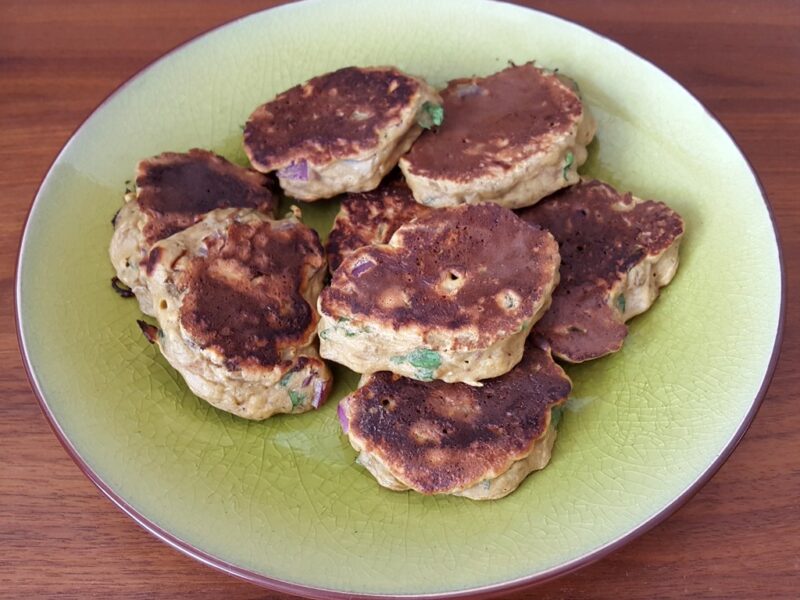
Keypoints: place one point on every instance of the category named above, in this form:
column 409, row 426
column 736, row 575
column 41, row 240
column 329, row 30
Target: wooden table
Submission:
column 739, row 537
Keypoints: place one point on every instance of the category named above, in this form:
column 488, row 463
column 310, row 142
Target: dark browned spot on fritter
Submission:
column 150, row 332
column 485, row 246
column 444, row 436
column 599, row 244
column 371, row 218
column 245, row 298
column 176, row 190
column 332, row 116
column 121, row 289
column 502, row 114
column 299, row 364
column 153, row 257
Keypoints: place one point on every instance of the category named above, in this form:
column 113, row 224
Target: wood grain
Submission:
column 739, row 537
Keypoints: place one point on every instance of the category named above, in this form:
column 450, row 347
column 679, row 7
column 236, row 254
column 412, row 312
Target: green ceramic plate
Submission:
column 282, row 502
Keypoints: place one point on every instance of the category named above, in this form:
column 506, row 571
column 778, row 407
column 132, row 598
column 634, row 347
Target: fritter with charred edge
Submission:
column 617, row 251
column 371, row 218
column 440, row 438
column 509, row 138
column 234, row 297
column 173, row 191
column 452, row 296
column 340, row 132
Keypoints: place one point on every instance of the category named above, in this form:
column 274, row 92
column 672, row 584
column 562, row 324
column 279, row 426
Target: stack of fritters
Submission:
column 396, row 311
column 449, row 304
column 172, row 192
column 437, row 320
column 234, row 298
column 234, row 291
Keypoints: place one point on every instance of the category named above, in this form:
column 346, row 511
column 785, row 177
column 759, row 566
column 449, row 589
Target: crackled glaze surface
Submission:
column 642, row 426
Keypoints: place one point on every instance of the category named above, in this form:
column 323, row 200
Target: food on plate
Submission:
column 452, row 296
column 174, row 191
column 511, row 138
column 234, row 297
column 617, row 251
column 450, row 305
column 440, row 438
column 340, row 132
column 371, row 218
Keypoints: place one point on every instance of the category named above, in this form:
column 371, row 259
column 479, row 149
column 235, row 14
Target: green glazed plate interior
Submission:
column 282, row 502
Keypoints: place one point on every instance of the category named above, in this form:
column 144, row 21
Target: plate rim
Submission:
column 310, row 591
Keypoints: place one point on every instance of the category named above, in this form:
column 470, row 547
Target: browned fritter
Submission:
column 245, row 298
column 329, row 117
column 175, row 190
column 371, row 218
column 599, row 244
column 492, row 117
column 448, row 265
column 439, row 437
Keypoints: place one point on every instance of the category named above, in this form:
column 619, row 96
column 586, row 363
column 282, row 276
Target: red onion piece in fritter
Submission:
column 342, row 418
column 468, row 90
column 359, row 269
column 296, row 170
column 319, row 393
